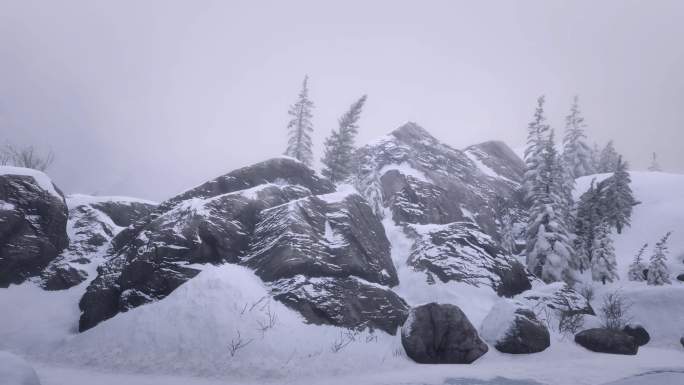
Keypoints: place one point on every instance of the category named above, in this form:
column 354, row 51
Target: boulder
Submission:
column 680, row 277
column 603, row 340
column 33, row 219
column 515, row 329
column 681, row 341
column 640, row 335
column 441, row 334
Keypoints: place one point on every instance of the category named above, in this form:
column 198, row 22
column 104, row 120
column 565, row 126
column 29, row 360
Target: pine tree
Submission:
column 654, row 167
column 603, row 264
column 619, row 200
column 339, row 146
column 638, row 267
column 548, row 245
column 588, row 218
column 576, row 153
column 596, row 158
column 536, row 137
column 658, row 272
column 300, row 128
column 608, row 158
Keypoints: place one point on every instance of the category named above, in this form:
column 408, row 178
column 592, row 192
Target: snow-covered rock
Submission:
column 461, row 252
column 557, row 297
column 33, row 218
column 513, row 328
column 441, row 334
column 16, row 371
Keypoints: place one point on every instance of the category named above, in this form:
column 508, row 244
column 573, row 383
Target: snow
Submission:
column 499, row 320
column 75, row 200
column 484, row 168
column 405, row 169
column 15, row 371
column 43, row 181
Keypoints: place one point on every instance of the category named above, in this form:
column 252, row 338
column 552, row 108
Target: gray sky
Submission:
column 148, row 98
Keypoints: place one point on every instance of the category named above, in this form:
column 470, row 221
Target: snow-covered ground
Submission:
column 187, row 337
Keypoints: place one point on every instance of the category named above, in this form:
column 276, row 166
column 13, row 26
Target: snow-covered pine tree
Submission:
column 655, row 166
column 619, row 200
column 658, row 272
column 638, row 267
column 603, row 264
column 300, row 128
column 338, row 158
column 548, row 246
column 576, row 153
column 537, row 131
column 504, row 217
column 596, row 158
column 608, row 158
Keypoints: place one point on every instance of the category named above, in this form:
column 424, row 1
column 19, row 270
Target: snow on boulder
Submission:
column 513, row 328
column 602, row 340
column 33, row 218
column 15, row 370
column 93, row 223
column 441, row 334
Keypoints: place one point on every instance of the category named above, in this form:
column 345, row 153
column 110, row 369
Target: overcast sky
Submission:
column 149, row 98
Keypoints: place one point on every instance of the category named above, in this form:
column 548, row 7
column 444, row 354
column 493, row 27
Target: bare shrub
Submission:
column 238, row 343
column 587, row 291
column 343, row 340
column 269, row 322
column 614, row 312
column 27, row 157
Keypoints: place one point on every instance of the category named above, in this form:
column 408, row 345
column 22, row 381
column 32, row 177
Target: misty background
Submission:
column 149, row 98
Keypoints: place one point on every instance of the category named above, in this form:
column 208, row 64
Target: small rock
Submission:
column 441, row 334
column 680, row 277
column 607, row 341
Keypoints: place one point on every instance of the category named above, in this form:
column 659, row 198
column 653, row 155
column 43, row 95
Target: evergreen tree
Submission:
column 576, row 153
column 300, row 128
column 608, row 158
column 603, row 264
column 658, row 272
column 638, row 267
column 536, row 137
column 548, row 245
column 619, row 200
column 654, row 167
column 588, row 218
column 596, row 158
column 339, row 146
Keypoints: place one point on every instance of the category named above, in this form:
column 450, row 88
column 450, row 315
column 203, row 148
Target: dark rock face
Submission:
column 266, row 217
column 640, row 335
column 33, row 218
column 347, row 302
column 680, row 277
column 441, row 334
column 93, row 222
column 447, row 201
column 607, row 341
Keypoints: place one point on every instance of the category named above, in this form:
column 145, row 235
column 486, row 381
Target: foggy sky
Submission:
column 149, row 98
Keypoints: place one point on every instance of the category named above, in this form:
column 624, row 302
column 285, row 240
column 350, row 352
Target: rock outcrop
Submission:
column 448, row 202
column 441, row 334
column 277, row 217
column 33, row 219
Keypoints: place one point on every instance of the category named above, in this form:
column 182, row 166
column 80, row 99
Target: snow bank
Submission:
column 499, row 320
column 15, row 371
column 42, row 180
